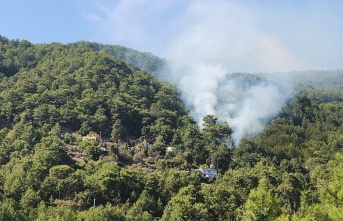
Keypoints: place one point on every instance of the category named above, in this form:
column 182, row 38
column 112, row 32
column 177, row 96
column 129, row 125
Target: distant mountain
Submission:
column 143, row 60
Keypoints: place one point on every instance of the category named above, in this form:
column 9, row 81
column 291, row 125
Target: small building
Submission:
column 146, row 143
column 170, row 149
column 208, row 172
column 93, row 137
column 104, row 150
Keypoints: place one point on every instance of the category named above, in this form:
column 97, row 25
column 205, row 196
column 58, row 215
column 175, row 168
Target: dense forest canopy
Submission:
column 142, row 162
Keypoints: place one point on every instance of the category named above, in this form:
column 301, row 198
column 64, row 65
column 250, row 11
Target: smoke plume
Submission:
column 206, row 40
column 215, row 44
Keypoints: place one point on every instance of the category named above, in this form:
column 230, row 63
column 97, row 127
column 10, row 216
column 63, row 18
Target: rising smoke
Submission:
column 206, row 40
column 245, row 101
column 216, row 44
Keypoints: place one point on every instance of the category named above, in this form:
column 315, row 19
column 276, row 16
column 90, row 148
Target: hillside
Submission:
column 52, row 95
column 143, row 60
column 82, row 90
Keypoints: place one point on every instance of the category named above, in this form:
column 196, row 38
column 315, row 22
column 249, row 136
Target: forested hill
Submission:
column 143, row 60
column 83, row 90
column 138, row 161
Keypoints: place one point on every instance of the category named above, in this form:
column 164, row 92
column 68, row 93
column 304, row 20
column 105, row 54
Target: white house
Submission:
column 104, row 149
column 208, row 172
column 170, row 149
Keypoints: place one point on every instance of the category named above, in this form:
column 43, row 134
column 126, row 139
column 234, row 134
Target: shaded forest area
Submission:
column 51, row 95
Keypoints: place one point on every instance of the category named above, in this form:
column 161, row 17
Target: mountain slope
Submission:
column 291, row 171
column 83, row 90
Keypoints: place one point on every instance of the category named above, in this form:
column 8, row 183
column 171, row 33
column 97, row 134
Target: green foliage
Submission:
column 53, row 94
column 186, row 205
column 59, row 213
column 30, row 199
column 9, row 211
column 105, row 213
column 143, row 208
column 83, row 88
column 261, row 205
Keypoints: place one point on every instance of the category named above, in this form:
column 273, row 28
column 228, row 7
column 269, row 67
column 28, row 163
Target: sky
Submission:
column 238, row 35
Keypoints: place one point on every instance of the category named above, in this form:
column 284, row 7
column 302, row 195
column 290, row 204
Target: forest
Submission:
column 143, row 162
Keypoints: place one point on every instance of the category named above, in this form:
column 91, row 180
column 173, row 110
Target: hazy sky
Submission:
column 251, row 35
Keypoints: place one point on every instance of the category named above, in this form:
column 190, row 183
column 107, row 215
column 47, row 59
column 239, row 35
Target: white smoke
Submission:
column 208, row 39
column 258, row 35
column 247, row 107
column 252, row 108
column 210, row 47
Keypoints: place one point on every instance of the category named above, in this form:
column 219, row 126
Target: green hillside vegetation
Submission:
column 52, row 95
column 143, row 60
